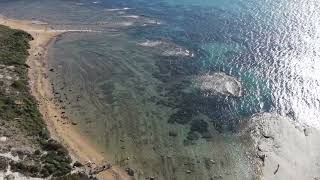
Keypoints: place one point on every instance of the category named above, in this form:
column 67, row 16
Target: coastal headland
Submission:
column 79, row 147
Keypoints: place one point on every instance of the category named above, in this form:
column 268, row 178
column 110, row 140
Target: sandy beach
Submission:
column 79, row 146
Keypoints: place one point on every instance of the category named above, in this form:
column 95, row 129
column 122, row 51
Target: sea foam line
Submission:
column 64, row 30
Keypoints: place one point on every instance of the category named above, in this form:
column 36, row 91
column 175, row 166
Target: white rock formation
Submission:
column 287, row 151
column 220, row 83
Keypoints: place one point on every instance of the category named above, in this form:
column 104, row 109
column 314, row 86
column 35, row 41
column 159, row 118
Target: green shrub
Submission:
column 18, row 84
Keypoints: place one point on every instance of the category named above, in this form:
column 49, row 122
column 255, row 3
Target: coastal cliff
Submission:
column 36, row 140
column 26, row 148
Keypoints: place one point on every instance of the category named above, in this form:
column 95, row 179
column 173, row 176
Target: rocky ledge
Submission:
column 286, row 150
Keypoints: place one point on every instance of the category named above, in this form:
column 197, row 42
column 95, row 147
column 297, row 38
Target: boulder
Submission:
column 130, row 171
column 3, row 139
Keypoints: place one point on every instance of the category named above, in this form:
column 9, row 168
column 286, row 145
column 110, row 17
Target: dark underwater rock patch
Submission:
column 199, row 125
column 181, row 117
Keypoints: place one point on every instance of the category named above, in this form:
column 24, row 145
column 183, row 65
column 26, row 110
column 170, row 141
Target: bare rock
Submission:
column 288, row 152
column 9, row 177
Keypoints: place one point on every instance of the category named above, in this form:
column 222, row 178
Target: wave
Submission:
column 131, row 16
column 167, row 48
column 178, row 52
column 149, row 43
column 118, row 9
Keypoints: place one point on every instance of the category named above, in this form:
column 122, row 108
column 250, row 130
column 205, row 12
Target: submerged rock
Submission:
column 199, row 125
column 130, row 171
column 173, row 134
column 193, row 136
column 220, row 83
column 167, row 48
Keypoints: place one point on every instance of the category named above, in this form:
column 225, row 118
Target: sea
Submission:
column 134, row 84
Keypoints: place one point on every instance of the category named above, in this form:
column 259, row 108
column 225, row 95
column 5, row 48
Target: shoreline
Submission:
column 79, row 146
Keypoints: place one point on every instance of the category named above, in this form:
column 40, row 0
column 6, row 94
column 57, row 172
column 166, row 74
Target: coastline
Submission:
column 79, row 146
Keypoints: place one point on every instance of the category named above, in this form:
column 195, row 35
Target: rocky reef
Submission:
column 287, row 150
column 220, row 83
column 167, row 48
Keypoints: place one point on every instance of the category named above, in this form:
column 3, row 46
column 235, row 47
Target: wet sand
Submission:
column 79, row 146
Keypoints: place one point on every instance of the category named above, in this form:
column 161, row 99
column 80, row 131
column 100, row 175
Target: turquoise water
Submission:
column 131, row 87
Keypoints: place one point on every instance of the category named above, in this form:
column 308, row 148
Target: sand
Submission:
column 79, row 146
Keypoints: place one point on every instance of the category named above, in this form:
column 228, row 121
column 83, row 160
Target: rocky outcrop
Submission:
column 220, row 83
column 285, row 150
column 167, row 48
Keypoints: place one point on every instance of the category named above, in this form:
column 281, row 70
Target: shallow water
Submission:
column 132, row 87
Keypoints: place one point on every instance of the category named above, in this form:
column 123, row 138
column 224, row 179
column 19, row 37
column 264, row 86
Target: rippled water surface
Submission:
column 134, row 86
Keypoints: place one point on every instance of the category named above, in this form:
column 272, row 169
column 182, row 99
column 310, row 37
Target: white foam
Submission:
column 149, row 43
column 152, row 21
column 131, row 16
column 125, row 23
column 178, row 52
column 39, row 22
column 117, row 9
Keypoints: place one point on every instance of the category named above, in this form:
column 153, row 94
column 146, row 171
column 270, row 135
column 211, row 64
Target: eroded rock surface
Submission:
column 285, row 151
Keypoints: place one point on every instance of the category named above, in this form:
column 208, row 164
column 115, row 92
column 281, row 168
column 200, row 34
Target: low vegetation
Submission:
column 20, row 117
